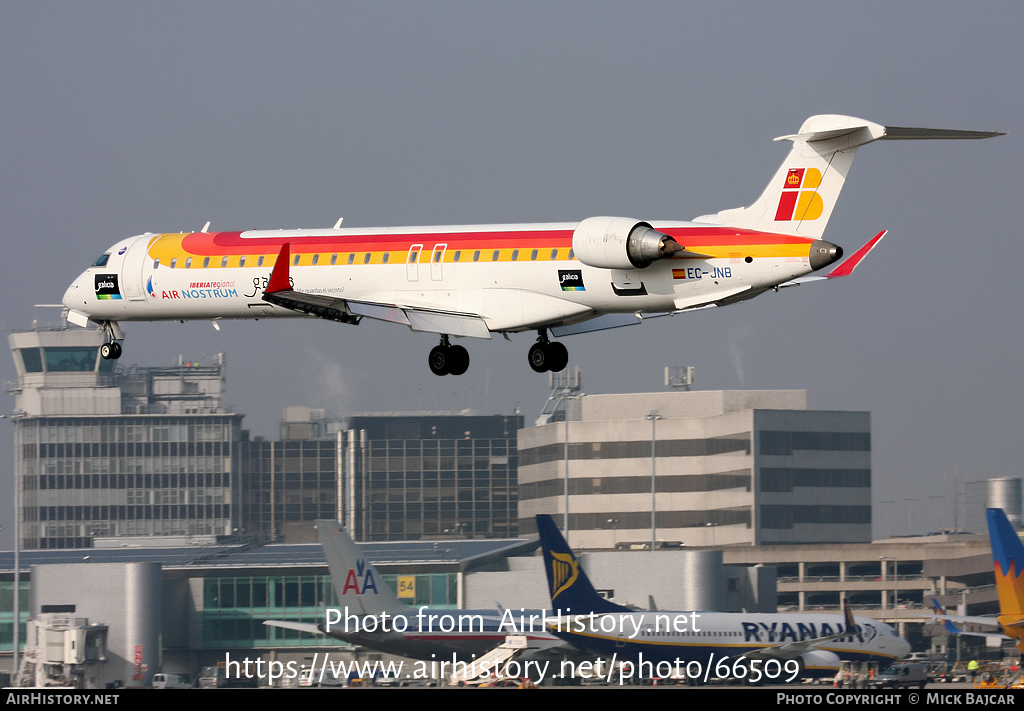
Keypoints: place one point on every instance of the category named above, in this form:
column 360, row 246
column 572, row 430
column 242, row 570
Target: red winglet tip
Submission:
column 279, row 280
column 847, row 267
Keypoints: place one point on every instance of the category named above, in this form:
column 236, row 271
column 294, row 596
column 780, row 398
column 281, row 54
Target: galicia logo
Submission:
column 564, row 571
column 106, row 287
column 149, row 287
column 360, row 579
column 571, row 280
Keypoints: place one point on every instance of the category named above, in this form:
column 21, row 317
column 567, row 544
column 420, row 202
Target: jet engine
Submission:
column 621, row 243
column 819, row 663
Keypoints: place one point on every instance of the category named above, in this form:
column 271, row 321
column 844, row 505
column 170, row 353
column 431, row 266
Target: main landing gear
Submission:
column 548, row 355
column 446, row 359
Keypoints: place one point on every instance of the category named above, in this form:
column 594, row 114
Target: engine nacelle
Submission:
column 819, row 663
column 620, row 243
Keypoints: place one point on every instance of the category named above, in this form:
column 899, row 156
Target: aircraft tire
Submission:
column 539, row 357
column 458, row 360
column 106, row 351
column 558, row 357
column 117, row 350
column 440, row 360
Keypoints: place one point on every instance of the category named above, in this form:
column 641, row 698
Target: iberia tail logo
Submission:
column 564, row 571
column 800, row 199
column 360, row 579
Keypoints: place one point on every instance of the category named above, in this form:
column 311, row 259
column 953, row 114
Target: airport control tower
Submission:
column 106, row 450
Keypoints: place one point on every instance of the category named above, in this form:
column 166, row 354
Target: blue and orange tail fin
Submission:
column 1008, row 560
column 568, row 585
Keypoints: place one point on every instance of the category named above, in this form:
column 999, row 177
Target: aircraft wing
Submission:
column 279, row 292
column 307, row 627
column 844, row 269
column 794, row 649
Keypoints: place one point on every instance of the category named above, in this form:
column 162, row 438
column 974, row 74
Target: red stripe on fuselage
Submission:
column 220, row 244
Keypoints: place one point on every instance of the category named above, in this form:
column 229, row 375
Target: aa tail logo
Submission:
column 564, row 571
column 800, row 204
column 361, row 573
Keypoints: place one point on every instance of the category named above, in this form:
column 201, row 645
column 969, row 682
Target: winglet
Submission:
column 847, row 267
column 279, row 279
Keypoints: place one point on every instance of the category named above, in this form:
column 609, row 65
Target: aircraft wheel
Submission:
column 558, row 357
column 116, row 347
column 539, row 357
column 440, row 360
column 107, row 351
column 458, row 360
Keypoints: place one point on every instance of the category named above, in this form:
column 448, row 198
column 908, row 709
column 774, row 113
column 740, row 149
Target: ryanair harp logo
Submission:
column 564, row 571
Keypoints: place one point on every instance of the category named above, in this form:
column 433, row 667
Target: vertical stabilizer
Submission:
column 1008, row 560
column 801, row 195
column 568, row 585
column 357, row 583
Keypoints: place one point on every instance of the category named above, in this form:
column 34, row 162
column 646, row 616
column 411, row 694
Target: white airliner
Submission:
column 474, row 281
column 812, row 644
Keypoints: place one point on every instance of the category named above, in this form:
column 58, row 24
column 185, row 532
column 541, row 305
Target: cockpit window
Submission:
column 102, row 261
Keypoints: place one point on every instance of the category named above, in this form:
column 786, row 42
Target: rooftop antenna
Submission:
column 679, row 376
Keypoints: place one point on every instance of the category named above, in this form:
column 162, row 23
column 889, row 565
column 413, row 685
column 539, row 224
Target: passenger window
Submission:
column 241, row 261
column 437, row 255
column 156, row 263
column 224, row 262
column 572, row 254
column 316, row 258
column 351, row 258
column 515, row 255
column 296, row 260
column 174, row 262
column 387, row 255
column 366, row 258
column 334, row 259
column 457, row 255
column 476, row 256
column 206, row 262
column 188, row 263
column 554, row 254
column 259, row 262
column 494, row 257
column 533, row 255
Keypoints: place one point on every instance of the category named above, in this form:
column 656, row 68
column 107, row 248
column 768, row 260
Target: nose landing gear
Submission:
column 110, row 351
column 446, row 359
column 547, row 355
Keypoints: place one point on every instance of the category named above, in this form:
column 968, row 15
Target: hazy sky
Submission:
column 122, row 118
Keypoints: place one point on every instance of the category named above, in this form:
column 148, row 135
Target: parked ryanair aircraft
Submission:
column 474, row 281
column 811, row 644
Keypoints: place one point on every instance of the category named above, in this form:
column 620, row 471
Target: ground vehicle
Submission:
column 902, row 675
column 170, row 681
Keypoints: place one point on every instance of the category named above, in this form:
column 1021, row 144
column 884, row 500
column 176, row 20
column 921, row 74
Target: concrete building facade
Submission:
column 731, row 467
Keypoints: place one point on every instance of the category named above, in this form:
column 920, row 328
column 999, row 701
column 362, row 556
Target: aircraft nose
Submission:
column 824, row 253
column 75, row 296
